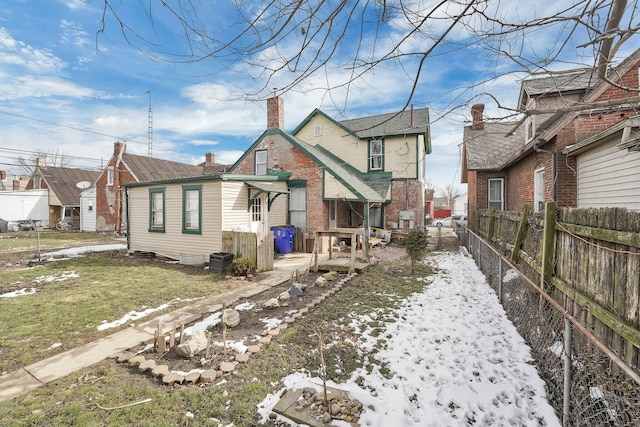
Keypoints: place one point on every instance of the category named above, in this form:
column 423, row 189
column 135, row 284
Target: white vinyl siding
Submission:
column 609, row 177
column 88, row 210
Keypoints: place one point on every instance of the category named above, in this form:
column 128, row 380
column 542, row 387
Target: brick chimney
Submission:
column 3, row 175
column 275, row 113
column 476, row 115
column 16, row 184
column 210, row 158
column 118, row 146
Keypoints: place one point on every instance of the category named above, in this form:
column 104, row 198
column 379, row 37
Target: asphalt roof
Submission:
column 150, row 169
column 390, row 123
column 63, row 182
column 491, row 148
column 561, row 82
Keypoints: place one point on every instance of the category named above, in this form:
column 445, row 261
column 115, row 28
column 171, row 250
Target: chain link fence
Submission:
column 587, row 384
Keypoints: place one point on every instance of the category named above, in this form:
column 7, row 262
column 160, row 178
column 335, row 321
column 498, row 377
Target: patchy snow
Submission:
column 451, row 358
column 134, row 315
column 510, row 275
column 55, row 345
column 61, row 277
column 245, row 306
column 76, row 252
column 204, row 324
column 238, row 346
column 18, row 293
column 270, row 322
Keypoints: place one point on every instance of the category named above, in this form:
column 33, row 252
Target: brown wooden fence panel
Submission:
column 596, row 271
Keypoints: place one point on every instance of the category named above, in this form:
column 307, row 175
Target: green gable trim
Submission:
column 297, row 183
column 319, row 112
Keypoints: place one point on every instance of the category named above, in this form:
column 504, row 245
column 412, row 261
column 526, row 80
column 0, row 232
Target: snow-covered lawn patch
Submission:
column 448, row 356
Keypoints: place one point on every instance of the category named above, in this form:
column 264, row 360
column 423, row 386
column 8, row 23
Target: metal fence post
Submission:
column 566, row 395
column 500, row 279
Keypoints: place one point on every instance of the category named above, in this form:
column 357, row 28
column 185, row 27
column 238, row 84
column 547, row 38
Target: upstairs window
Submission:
column 192, row 209
column 156, row 210
column 110, row 174
column 261, row 162
column 375, row 154
column 317, row 130
column 496, row 193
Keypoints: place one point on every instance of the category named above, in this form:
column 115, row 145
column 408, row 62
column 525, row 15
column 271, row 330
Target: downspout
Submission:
column 553, row 169
column 118, row 190
column 126, row 195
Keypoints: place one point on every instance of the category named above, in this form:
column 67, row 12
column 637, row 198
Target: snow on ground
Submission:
column 18, row 293
column 453, row 359
column 75, row 252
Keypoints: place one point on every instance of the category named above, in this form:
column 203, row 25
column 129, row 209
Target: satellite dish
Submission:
column 83, row 184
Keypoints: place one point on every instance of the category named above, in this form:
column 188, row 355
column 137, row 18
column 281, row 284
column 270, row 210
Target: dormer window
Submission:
column 530, row 129
column 375, row 154
column 530, row 123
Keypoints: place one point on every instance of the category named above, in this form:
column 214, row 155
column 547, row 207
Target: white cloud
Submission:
column 14, row 52
column 29, row 86
column 72, row 32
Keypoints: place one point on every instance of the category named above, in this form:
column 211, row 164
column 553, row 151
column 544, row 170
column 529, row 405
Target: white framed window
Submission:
column 261, row 162
column 156, row 209
column 192, row 209
column 538, row 190
column 496, row 193
column 110, row 174
column 298, row 207
column 375, row 154
column 530, row 123
column 317, row 130
column 256, row 209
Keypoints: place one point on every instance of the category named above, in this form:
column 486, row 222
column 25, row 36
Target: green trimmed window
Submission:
column 156, row 210
column 192, row 209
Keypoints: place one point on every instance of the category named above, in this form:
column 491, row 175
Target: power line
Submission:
column 71, row 127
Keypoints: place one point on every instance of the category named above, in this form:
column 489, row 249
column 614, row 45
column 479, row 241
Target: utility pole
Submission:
column 150, row 128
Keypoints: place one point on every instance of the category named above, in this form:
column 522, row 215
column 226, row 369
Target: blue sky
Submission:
column 64, row 88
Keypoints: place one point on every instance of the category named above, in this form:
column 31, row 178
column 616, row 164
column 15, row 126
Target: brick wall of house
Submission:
column 109, row 199
column 406, row 195
column 282, row 156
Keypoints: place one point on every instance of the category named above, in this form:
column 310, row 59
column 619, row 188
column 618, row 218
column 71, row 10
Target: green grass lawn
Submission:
column 107, row 290
column 74, row 296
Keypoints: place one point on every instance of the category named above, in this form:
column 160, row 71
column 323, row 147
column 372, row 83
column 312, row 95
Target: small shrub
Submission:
column 243, row 266
column 417, row 243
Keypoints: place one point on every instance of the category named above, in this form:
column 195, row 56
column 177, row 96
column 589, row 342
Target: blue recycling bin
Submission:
column 284, row 238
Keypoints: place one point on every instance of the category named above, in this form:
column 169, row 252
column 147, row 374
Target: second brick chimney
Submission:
column 275, row 113
column 210, row 158
column 477, row 111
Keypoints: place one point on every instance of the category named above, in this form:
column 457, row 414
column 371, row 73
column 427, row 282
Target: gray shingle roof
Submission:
column 62, row 181
column 150, row 169
column 490, row 149
column 390, row 124
column 561, row 82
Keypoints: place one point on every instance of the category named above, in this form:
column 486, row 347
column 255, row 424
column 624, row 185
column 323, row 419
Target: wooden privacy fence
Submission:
column 588, row 260
column 258, row 247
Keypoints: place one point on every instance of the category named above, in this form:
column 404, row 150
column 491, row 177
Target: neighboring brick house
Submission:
column 64, row 185
column 124, row 168
column 510, row 165
column 356, row 173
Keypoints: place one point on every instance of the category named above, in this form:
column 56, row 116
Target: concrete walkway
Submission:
column 60, row 365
